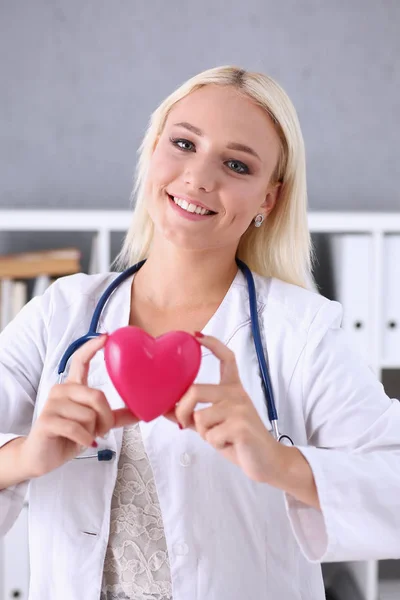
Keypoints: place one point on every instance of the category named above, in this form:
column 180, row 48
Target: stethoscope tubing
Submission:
column 106, row 454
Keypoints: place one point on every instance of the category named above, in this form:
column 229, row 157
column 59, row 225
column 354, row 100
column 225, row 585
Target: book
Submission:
column 27, row 265
column 19, row 296
column 41, row 268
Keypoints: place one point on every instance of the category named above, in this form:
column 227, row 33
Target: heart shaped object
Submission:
column 151, row 374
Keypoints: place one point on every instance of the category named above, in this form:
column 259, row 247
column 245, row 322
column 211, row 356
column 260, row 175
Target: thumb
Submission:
column 228, row 366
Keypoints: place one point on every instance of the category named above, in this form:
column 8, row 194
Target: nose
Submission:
column 200, row 175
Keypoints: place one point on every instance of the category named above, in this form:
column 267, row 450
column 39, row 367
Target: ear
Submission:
column 270, row 199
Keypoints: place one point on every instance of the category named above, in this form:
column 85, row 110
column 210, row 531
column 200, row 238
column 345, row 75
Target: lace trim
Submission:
column 136, row 564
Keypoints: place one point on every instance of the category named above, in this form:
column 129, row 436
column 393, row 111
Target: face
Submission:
column 210, row 173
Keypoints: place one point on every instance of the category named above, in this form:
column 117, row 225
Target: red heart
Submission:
column 151, row 374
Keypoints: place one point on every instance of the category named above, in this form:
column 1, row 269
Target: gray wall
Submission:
column 79, row 79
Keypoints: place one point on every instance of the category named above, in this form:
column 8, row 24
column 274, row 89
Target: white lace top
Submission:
column 136, row 565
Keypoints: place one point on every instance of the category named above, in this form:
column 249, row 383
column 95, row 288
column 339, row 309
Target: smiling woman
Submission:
column 211, row 165
column 203, row 502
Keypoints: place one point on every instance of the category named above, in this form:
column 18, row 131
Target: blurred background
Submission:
column 79, row 79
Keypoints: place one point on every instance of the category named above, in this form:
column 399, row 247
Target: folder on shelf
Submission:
column 391, row 299
column 352, row 263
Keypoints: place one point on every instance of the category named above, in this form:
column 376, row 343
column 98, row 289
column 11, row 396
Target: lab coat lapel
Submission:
column 232, row 311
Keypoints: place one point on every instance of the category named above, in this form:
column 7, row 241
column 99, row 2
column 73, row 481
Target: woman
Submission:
column 213, row 508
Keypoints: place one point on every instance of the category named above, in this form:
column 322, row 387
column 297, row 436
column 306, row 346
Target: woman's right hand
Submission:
column 73, row 416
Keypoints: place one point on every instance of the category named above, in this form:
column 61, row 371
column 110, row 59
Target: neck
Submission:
column 176, row 278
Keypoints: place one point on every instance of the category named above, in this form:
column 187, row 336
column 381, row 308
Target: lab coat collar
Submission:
column 116, row 313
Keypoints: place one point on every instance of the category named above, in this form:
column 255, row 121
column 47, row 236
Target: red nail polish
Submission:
column 180, row 426
column 198, row 334
column 95, row 445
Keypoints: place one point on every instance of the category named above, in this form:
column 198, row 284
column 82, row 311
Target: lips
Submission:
column 190, row 201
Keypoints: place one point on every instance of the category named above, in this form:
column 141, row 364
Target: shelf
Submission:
column 118, row 220
column 64, row 220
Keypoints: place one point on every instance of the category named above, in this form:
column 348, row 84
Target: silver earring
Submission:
column 258, row 221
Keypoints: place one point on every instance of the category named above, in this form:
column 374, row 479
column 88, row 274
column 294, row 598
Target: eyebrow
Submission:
column 230, row 146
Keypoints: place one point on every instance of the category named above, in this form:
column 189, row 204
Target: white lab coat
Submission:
column 228, row 538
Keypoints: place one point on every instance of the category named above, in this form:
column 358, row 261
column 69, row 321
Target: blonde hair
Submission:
column 282, row 246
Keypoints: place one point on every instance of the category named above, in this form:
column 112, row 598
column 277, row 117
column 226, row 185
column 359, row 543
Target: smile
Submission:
column 191, row 207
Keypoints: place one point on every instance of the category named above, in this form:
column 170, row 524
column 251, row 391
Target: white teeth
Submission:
column 192, row 208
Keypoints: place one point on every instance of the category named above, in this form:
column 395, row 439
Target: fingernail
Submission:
column 180, row 426
column 95, row 444
column 198, row 334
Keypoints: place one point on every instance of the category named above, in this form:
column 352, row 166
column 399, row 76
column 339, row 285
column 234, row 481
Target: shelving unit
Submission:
column 102, row 223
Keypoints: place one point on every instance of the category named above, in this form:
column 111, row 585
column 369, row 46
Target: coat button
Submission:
column 186, row 459
column 181, row 549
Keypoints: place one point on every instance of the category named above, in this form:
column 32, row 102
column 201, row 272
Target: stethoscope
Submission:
column 107, row 454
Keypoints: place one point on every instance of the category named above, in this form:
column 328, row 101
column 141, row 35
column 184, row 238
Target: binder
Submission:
column 391, row 299
column 352, row 275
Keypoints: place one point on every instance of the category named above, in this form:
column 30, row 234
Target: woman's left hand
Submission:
column 232, row 424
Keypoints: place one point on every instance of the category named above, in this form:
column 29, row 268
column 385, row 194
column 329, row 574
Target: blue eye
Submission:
column 238, row 167
column 182, row 144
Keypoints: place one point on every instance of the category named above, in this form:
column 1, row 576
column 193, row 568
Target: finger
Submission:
column 56, row 426
column 199, row 393
column 80, row 361
column 229, row 370
column 123, row 417
column 206, row 418
column 95, row 399
column 77, row 412
column 220, row 437
column 171, row 416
